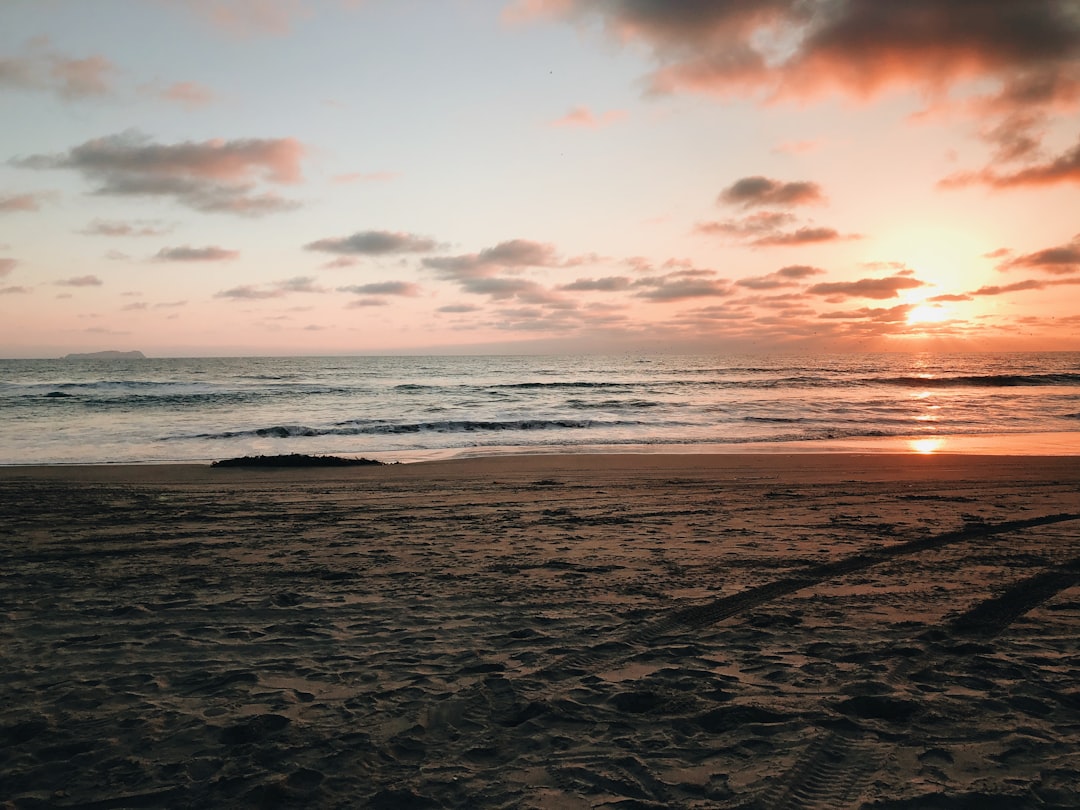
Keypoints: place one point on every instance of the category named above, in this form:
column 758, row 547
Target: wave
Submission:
column 982, row 381
column 389, row 429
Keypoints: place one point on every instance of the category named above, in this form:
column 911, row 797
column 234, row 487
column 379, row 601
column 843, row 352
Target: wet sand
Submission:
column 841, row 631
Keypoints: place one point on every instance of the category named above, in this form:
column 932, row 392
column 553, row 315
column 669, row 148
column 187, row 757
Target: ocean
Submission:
column 417, row 408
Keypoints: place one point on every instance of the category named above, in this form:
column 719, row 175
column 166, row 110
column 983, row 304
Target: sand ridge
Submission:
column 545, row 631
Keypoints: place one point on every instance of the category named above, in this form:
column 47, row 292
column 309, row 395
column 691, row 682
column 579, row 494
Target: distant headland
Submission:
column 105, row 356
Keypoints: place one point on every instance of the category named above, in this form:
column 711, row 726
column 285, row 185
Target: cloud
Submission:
column 1065, row 168
column 249, row 292
column 300, row 284
column 375, row 243
column 80, row 281
column 764, row 229
column 247, row 17
column 42, row 69
column 1021, row 286
column 802, row 236
column 948, row 297
column 14, row 290
column 190, row 254
column 877, row 288
column 458, row 308
column 583, row 117
column 750, row 192
column 1061, row 260
column 278, row 289
column 682, row 285
column 403, row 288
column 211, row 176
column 10, row 203
column 6, row 266
column 102, row 227
column 895, row 314
column 514, row 254
column 788, row 276
column 803, row 47
column 365, row 177
column 606, row 284
column 753, row 225
column 189, row 94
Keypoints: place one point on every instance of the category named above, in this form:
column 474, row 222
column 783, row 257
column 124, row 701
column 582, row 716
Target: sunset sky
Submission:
column 200, row 177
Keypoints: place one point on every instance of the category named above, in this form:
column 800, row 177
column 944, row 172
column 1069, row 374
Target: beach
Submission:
column 545, row 631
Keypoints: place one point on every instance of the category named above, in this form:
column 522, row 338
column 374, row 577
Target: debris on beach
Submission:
column 295, row 460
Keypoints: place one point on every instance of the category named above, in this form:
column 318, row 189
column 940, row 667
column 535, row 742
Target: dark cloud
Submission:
column 767, row 229
column 299, row 284
column 510, row 255
column 895, row 314
column 458, row 308
column 1024, row 55
column 757, row 191
column 606, row 284
column 1061, row 260
column 249, row 292
column 1018, row 286
column 877, row 288
column 682, row 285
column 801, row 236
column 404, row 288
column 80, row 281
column 135, row 228
column 784, row 277
column 798, row 47
column 212, row 176
column 375, row 243
column 14, row 290
column 190, row 254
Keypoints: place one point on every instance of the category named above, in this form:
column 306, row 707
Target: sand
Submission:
column 544, row 632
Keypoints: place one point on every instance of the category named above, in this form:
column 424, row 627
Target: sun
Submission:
column 928, row 313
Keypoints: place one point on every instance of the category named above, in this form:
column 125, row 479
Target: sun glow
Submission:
column 926, row 447
column 928, row 313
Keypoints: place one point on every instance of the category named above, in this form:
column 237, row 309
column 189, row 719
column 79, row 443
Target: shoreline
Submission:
column 1048, row 444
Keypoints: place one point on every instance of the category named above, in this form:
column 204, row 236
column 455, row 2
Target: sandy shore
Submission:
column 544, row 632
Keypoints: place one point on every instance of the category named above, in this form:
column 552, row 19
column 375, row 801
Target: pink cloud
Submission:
column 189, row 94
column 23, row 202
column 581, row 116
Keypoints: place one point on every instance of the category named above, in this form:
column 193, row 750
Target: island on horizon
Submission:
column 107, row 355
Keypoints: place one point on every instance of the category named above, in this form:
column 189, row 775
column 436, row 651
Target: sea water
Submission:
column 411, row 408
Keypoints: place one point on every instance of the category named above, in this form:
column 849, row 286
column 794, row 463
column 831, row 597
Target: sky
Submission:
column 263, row 177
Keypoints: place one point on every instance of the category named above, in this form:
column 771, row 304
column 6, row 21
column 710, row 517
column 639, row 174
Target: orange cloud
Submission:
column 1063, row 169
column 877, row 288
column 1060, row 260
